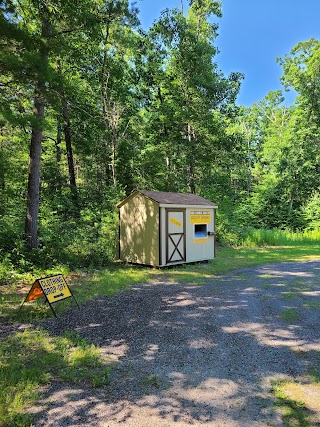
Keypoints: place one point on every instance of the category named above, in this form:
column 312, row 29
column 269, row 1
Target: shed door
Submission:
column 175, row 235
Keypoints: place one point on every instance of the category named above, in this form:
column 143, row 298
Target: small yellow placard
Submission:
column 200, row 240
column 200, row 218
column 175, row 222
column 55, row 288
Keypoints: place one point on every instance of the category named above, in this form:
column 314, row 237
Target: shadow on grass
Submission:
column 294, row 413
column 32, row 359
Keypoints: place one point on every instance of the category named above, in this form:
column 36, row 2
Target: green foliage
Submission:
column 311, row 211
column 89, row 241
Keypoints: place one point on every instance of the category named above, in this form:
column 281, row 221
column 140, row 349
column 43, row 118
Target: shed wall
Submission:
column 139, row 230
column 200, row 249
column 196, row 249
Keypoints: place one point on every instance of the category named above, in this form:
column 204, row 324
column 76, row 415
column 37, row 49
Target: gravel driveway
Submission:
column 189, row 355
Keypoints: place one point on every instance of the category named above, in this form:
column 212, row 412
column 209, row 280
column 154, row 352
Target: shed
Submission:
column 160, row 228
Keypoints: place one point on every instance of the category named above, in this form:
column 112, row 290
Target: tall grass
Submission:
column 259, row 238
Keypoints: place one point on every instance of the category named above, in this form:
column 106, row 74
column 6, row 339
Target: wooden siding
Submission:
column 139, row 230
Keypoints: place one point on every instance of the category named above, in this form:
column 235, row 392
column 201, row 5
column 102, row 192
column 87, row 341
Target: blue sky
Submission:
column 252, row 34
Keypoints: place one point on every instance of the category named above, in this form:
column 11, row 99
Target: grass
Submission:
column 314, row 367
column 298, row 403
column 32, row 359
column 258, row 238
column 152, row 381
column 290, row 315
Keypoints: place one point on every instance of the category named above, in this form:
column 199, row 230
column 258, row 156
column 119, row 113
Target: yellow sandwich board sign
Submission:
column 53, row 288
column 35, row 292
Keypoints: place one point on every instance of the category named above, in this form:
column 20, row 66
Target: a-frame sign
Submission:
column 52, row 288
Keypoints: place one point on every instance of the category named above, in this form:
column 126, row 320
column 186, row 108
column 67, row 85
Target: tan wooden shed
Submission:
column 159, row 228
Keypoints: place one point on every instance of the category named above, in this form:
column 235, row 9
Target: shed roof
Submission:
column 169, row 198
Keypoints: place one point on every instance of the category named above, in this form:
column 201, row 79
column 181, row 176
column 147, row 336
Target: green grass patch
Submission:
column 236, row 258
column 32, row 359
column 298, row 403
column 289, row 295
column 313, row 305
column 152, row 381
column 111, row 280
column 290, row 315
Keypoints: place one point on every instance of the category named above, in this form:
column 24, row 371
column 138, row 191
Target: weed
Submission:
column 289, row 295
column 290, row 315
column 152, row 381
column 313, row 305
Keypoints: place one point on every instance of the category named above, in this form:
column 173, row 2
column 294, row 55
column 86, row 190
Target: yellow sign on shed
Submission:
column 200, row 217
column 175, row 222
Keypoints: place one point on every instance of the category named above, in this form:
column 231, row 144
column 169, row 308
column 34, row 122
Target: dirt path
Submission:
column 194, row 355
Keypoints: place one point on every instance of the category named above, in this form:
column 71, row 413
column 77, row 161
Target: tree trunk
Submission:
column 68, row 141
column 33, row 196
column 58, row 142
column 67, row 136
column 114, row 142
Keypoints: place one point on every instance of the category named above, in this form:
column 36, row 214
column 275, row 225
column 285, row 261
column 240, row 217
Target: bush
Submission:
column 311, row 212
column 89, row 241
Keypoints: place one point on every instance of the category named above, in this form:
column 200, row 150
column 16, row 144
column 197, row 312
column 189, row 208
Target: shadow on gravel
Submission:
column 194, row 355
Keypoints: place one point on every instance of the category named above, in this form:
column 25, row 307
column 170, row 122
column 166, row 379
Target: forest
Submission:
column 93, row 106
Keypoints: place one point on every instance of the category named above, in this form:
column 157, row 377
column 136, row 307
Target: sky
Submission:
column 252, row 34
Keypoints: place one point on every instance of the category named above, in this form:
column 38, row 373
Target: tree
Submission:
column 37, row 31
column 187, row 97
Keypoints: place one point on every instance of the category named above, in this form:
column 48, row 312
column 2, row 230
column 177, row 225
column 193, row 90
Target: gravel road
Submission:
column 188, row 355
